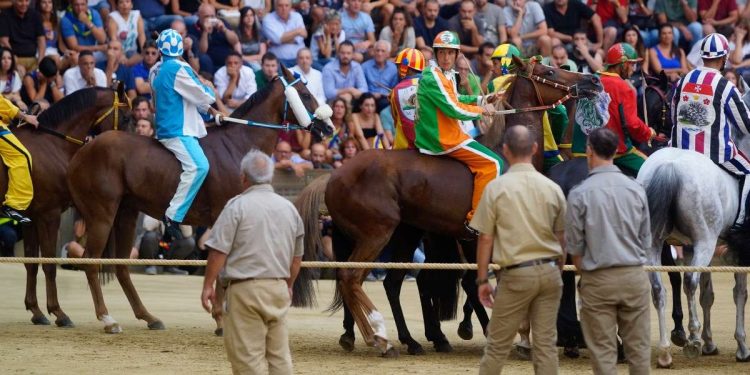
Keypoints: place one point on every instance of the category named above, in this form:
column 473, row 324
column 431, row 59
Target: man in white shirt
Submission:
column 313, row 76
column 234, row 81
column 86, row 74
column 285, row 32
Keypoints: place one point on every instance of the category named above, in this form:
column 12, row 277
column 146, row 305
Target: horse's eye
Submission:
column 306, row 96
column 550, row 73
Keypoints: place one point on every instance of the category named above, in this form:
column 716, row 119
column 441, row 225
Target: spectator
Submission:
column 359, row 28
column 86, row 74
column 228, row 10
column 261, row 7
column 428, row 26
column 481, row 64
column 126, row 25
column 400, row 33
column 252, row 42
column 215, row 33
column 43, row 85
column 527, row 27
column 115, row 69
column 564, row 18
column 379, row 9
column 142, row 109
column 285, row 32
column 718, row 16
column 10, row 80
column 22, row 31
column 325, row 42
column 732, row 76
column 469, row 27
column 494, row 22
column 318, row 157
column 187, row 9
column 55, row 47
column 667, row 56
column 613, row 16
column 381, row 74
column 140, row 71
column 366, row 122
column 321, row 9
column 641, row 16
column 559, row 59
column 468, row 82
column 82, row 30
column 234, row 81
column 153, row 245
column 341, row 120
column 268, row 71
column 740, row 56
column 190, row 48
column 154, row 14
column 285, row 159
column 632, row 36
column 144, row 127
column 683, row 15
column 586, row 57
column 410, row 6
column 313, row 77
column 8, row 237
column 350, row 149
column 343, row 77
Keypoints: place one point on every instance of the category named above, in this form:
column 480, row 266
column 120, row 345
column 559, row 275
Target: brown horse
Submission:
column 117, row 175
column 380, row 191
column 62, row 129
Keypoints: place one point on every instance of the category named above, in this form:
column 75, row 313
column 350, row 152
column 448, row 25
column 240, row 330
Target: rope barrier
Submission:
column 350, row 265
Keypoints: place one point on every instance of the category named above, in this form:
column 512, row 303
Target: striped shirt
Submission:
column 708, row 115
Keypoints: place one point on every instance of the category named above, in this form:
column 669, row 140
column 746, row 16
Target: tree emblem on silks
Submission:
column 593, row 114
column 693, row 113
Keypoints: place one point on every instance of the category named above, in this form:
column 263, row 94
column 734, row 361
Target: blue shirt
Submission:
column 356, row 29
column 379, row 81
column 334, row 79
column 274, row 27
column 149, row 8
column 428, row 35
column 71, row 26
column 140, row 71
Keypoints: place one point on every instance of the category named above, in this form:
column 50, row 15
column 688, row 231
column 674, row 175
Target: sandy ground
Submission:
column 188, row 346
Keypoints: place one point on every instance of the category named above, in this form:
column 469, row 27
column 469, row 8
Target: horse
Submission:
column 381, row 192
column 117, row 175
column 62, row 130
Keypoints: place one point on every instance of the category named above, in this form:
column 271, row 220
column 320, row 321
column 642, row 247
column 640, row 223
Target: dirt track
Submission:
column 188, row 346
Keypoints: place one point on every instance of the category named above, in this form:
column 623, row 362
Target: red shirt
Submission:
column 623, row 112
column 606, row 10
column 722, row 11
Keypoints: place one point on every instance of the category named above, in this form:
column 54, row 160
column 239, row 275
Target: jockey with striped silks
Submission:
column 403, row 97
column 179, row 96
column 18, row 160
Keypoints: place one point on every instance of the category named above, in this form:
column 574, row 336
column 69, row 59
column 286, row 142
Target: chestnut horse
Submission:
column 117, row 175
column 380, row 191
column 62, row 130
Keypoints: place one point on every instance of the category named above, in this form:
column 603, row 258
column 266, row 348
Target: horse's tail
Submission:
column 441, row 285
column 738, row 236
column 308, row 205
column 662, row 191
column 342, row 250
column 107, row 272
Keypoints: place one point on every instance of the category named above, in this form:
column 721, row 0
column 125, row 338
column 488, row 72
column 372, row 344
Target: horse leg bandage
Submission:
column 378, row 326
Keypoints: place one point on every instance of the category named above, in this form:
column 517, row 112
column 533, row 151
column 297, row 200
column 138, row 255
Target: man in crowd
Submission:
column 312, row 76
column 86, row 74
column 521, row 221
column 22, row 31
column 481, row 64
column 140, row 71
column 269, row 69
column 683, row 15
column 359, row 28
column 564, row 18
column 115, row 69
column 718, row 16
column 212, row 32
column 608, row 248
column 428, row 26
column 83, row 30
column 403, row 97
column 559, row 59
column 494, row 22
column 141, row 109
column 527, row 27
column 613, row 16
column 584, row 55
column 155, row 17
column 286, row 160
column 285, row 32
column 469, row 27
column 344, row 77
column 318, row 156
column 380, row 73
column 234, row 81
column 258, row 267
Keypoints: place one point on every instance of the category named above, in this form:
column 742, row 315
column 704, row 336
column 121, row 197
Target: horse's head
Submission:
column 114, row 110
column 554, row 85
column 302, row 106
column 657, row 93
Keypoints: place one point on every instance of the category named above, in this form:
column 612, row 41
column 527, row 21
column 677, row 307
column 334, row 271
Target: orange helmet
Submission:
column 409, row 58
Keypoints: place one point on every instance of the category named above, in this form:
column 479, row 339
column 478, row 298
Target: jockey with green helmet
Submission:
column 440, row 110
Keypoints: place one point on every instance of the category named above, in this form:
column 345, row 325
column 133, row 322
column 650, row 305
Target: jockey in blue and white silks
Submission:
column 179, row 96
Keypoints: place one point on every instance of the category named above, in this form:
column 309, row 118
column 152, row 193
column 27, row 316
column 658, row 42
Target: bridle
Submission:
column 572, row 92
column 663, row 97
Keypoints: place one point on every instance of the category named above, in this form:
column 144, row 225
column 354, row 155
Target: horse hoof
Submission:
column 64, row 322
column 739, row 358
column 523, row 353
column 678, row 337
column 572, row 352
column 347, row 342
column 710, row 350
column 692, row 350
column 156, row 326
column 465, row 331
column 392, row 352
column 664, row 358
column 40, row 320
column 443, row 347
column 219, row 332
column 114, row 328
column 415, row 349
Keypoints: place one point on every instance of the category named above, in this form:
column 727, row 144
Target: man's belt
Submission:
column 237, row 281
column 529, row 263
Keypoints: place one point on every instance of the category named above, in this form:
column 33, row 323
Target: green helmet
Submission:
column 447, row 39
column 505, row 53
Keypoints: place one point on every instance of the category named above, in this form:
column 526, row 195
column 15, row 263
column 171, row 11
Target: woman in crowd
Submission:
column 632, row 35
column 732, row 76
column 350, row 149
column 340, row 120
column 10, row 80
column 55, row 47
column 366, row 124
column 252, row 43
column 43, row 85
column 740, row 46
column 126, row 25
column 400, row 33
column 666, row 56
column 325, row 41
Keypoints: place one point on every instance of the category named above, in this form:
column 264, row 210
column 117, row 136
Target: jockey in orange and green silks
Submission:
column 554, row 120
column 439, row 112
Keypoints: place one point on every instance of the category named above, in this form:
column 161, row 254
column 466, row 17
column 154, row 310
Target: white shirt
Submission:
column 245, row 85
column 73, row 81
column 314, row 83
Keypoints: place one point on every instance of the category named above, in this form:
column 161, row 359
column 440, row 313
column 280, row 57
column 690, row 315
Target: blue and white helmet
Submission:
column 714, row 46
column 170, row 43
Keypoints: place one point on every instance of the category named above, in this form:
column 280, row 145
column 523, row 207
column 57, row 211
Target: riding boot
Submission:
column 172, row 230
column 13, row 214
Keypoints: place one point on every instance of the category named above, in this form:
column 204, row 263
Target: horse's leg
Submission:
column 47, row 228
column 523, row 347
column 465, row 328
column 31, row 250
column 97, row 235
column 346, row 340
column 707, row 300
column 124, row 229
column 703, row 251
column 217, row 309
column 740, row 299
column 469, row 285
column 678, row 335
column 659, row 294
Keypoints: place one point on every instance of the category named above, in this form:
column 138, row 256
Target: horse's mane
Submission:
column 69, row 107
column 258, row 97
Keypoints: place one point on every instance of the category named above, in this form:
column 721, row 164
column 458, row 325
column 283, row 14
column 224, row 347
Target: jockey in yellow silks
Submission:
column 403, row 97
column 18, row 160
column 554, row 120
column 439, row 111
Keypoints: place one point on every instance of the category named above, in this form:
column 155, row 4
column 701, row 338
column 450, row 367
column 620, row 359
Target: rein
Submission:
column 572, row 92
column 114, row 108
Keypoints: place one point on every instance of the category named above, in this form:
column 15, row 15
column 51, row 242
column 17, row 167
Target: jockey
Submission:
column 554, row 120
column 178, row 95
column 709, row 116
column 440, row 110
column 410, row 62
column 18, row 160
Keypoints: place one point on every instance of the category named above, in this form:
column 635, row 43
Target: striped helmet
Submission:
column 714, row 46
column 170, row 43
column 409, row 58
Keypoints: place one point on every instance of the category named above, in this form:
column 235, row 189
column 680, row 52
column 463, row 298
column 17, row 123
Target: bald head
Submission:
column 519, row 140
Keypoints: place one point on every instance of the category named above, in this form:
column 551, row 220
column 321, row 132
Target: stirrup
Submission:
column 172, row 230
column 14, row 214
column 472, row 231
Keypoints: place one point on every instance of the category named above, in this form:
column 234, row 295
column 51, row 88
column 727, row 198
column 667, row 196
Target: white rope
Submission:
column 350, row 265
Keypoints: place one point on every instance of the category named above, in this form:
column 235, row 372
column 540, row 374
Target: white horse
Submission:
column 694, row 201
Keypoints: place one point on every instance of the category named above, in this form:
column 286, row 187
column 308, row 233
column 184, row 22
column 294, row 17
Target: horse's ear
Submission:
column 286, row 73
column 121, row 89
column 519, row 63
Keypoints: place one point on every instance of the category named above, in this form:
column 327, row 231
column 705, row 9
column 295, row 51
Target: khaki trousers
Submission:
column 255, row 331
column 29, row 63
column 612, row 299
column 532, row 292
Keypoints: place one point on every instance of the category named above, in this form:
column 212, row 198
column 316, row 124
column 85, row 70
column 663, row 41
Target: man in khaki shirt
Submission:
column 258, row 241
column 521, row 213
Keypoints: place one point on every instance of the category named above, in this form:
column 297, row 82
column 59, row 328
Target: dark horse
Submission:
column 117, row 175
column 382, row 196
column 62, row 129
